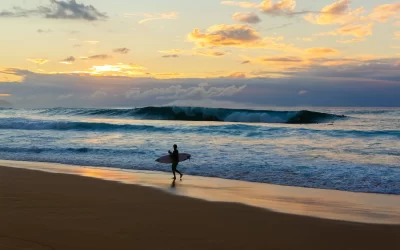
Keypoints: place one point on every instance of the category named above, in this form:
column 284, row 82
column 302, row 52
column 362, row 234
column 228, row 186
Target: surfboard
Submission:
column 168, row 158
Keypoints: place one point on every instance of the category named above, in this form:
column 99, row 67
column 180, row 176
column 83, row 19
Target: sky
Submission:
column 130, row 53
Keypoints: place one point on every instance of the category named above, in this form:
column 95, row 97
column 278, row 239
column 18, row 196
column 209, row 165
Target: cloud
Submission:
column 248, row 5
column 68, row 60
column 352, row 82
column 209, row 53
column 237, row 75
column 5, row 95
column 246, row 17
column 280, row 65
column 236, row 35
column 38, row 61
column 177, row 92
column 357, row 30
column 98, row 57
column 283, row 66
column 360, row 31
column 172, row 51
column 278, row 8
column 171, row 56
column 303, row 92
column 8, row 14
column 154, row 16
column 282, row 59
column 73, row 10
column 336, row 13
column 352, row 22
column 204, row 84
column 322, row 51
column 383, row 13
column 121, row 50
column 59, row 10
column 340, row 13
column 245, row 62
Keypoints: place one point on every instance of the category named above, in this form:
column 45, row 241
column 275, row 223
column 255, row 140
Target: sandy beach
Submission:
column 41, row 210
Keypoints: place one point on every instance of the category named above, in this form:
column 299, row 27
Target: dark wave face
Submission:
column 206, row 114
column 29, row 124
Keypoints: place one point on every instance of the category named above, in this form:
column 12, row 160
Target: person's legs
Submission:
column 174, row 169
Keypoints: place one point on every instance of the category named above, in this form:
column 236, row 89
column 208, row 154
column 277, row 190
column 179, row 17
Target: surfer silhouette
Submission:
column 175, row 160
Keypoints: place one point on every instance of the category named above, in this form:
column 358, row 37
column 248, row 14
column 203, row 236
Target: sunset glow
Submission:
column 307, row 43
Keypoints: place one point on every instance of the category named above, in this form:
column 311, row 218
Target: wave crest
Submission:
column 206, row 114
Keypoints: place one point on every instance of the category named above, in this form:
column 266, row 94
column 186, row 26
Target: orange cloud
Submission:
column 5, row 95
column 209, row 53
column 38, row 61
column 356, row 30
column 284, row 62
column 336, row 13
column 282, row 6
column 383, row 13
column 236, row 35
column 247, row 5
column 336, row 61
column 275, row 60
column 237, row 75
column 12, row 75
column 397, row 35
column 318, row 52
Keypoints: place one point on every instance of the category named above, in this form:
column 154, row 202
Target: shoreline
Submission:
column 321, row 203
column 41, row 210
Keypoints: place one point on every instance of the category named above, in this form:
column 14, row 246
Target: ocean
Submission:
column 350, row 149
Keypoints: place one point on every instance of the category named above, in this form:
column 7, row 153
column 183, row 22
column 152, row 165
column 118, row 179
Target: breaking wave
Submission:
column 205, row 114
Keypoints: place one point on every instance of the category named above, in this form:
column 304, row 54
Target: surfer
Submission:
column 175, row 160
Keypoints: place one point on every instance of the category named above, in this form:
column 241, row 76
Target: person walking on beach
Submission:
column 175, row 160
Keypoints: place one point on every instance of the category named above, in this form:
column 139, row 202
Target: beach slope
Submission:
column 41, row 210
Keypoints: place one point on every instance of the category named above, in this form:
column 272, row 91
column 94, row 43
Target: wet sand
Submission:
column 322, row 203
column 41, row 210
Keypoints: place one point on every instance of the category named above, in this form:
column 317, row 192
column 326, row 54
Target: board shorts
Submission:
column 174, row 165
